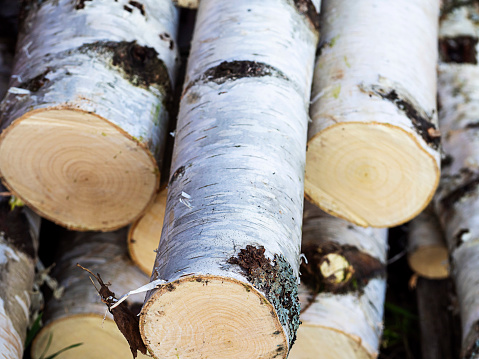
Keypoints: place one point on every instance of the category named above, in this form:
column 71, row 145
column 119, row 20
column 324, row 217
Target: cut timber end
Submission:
column 371, row 174
column 77, row 169
column 99, row 339
column 430, row 262
column 145, row 233
column 211, row 317
column 316, row 341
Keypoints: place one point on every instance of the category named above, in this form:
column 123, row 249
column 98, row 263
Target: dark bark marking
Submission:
column 472, row 125
column 127, row 8
column 460, row 192
column 230, row 71
column 138, row 5
column 166, row 37
column 363, row 268
column 177, row 174
column 308, row 10
column 446, row 161
column 458, row 237
column 450, row 5
column 14, row 225
column 37, row 82
column 460, row 49
column 420, row 120
column 126, row 321
column 80, row 4
column 275, row 279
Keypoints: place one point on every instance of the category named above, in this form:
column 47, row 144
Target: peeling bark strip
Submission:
column 342, row 288
column 276, row 280
column 104, row 85
column 126, row 321
column 241, row 120
column 83, row 307
column 375, row 126
column 421, row 121
column 461, row 49
column 457, row 199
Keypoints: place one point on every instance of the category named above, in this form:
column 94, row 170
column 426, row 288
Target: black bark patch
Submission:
column 460, row 49
column 140, row 65
column 450, row 5
column 138, row 5
column 230, row 71
column 307, row 9
column 37, row 82
column 458, row 237
column 14, row 227
column 472, row 125
column 460, row 192
column 362, row 268
column 421, row 121
column 127, row 8
column 126, row 321
column 166, row 37
column 177, row 174
column 80, row 4
column 446, row 161
column 277, row 280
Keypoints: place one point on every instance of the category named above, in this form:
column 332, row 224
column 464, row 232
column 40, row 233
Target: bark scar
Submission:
column 421, row 121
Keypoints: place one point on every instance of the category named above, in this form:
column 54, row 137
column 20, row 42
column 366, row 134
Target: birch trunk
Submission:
column 427, row 248
column 145, row 233
column 78, row 316
column 18, row 251
column 88, row 109
column 6, row 58
column 342, row 288
column 457, row 200
column 231, row 238
column 373, row 142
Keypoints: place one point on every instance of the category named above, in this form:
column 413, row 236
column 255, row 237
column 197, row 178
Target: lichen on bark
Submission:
column 274, row 278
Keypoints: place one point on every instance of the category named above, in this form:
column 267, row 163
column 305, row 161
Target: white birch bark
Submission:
column 18, row 251
column 236, row 187
column 427, row 248
column 86, row 107
column 457, row 200
column 373, row 142
column 78, row 316
column 341, row 323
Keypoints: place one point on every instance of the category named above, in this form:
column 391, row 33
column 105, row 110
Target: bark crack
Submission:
column 307, row 9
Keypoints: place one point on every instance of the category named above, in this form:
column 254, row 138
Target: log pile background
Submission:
column 416, row 323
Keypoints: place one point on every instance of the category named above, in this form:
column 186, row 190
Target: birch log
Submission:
column 342, row 288
column 18, row 252
column 457, row 200
column 78, row 316
column 373, row 142
column 230, row 243
column 145, row 233
column 427, row 248
column 6, row 58
column 85, row 116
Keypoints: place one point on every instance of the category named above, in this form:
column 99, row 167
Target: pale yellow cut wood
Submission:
column 371, row 174
column 101, row 340
column 145, row 233
column 83, row 172
column 317, row 342
column 191, row 4
column 430, row 262
column 211, row 317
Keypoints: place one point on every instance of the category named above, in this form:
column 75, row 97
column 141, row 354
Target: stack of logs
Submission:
column 278, row 103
